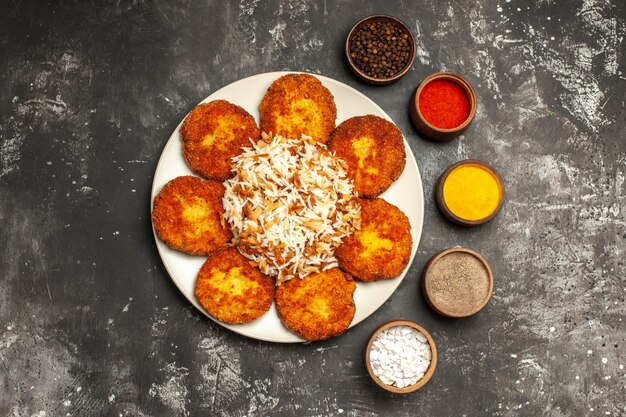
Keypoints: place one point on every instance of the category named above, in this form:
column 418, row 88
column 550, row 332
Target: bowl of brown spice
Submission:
column 380, row 49
column 457, row 282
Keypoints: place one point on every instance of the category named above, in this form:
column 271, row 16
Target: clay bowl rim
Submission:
column 441, row 202
column 427, row 375
column 436, row 257
column 464, row 84
column 388, row 80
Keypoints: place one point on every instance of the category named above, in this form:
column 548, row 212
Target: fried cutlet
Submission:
column 232, row 290
column 373, row 148
column 318, row 306
column 213, row 133
column 187, row 215
column 381, row 249
column 297, row 104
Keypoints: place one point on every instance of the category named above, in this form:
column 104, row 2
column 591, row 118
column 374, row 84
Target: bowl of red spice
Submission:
column 380, row 49
column 443, row 106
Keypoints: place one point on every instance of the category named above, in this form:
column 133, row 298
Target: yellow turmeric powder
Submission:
column 472, row 192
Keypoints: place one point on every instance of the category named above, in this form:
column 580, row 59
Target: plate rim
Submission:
column 419, row 191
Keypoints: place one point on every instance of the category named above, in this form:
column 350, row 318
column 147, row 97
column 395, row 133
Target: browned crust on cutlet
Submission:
column 230, row 289
column 187, row 215
column 297, row 104
column 373, row 148
column 318, row 306
column 381, row 249
column 212, row 134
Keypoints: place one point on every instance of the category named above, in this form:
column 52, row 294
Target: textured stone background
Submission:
column 90, row 323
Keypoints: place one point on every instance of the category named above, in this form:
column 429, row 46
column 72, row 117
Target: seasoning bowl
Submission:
column 457, row 282
column 426, row 128
column 429, row 371
column 376, row 19
column 448, row 212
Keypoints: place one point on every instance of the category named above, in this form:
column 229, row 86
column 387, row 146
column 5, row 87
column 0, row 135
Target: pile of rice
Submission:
column 289, row 206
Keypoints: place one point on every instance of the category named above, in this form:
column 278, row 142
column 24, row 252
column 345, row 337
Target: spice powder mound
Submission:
column 457, row 283
column 444, row 104
column 472, row 192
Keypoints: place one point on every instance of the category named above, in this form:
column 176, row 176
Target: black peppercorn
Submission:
column 380, row 49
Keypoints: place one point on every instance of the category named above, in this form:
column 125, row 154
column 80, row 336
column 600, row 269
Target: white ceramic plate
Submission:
column 406, row 193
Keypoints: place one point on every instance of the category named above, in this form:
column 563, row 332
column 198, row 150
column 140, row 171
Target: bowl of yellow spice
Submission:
column 470, row 193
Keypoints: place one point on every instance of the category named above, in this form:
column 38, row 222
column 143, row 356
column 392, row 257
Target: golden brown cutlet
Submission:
column 187, row 215
column 212, row 134
column 318, row 306
column 373, row 148
column 297, row 104
column 381, row 249
column 232, row 290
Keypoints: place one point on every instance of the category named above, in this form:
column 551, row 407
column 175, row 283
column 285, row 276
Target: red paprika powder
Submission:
column 444, row 104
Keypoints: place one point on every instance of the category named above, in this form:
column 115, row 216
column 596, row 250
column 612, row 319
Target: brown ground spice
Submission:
column 457, row 283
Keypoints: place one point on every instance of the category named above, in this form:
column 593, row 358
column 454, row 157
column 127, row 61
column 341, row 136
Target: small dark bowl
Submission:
column 362, row 75
column 426, row 128
column 440, row 309
column 441, row 203
column 429, row 372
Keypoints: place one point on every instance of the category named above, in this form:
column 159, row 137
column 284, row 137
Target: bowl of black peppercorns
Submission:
column 380, row 49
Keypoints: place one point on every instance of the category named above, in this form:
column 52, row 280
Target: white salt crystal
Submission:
column 400, row 356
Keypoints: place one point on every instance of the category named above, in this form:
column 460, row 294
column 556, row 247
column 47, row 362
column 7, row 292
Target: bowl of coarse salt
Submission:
column 401, row 356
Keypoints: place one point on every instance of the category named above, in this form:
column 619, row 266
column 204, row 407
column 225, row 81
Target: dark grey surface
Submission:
column 90, row 323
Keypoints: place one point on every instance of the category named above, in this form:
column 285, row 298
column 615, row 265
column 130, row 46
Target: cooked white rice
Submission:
column 289, row 206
